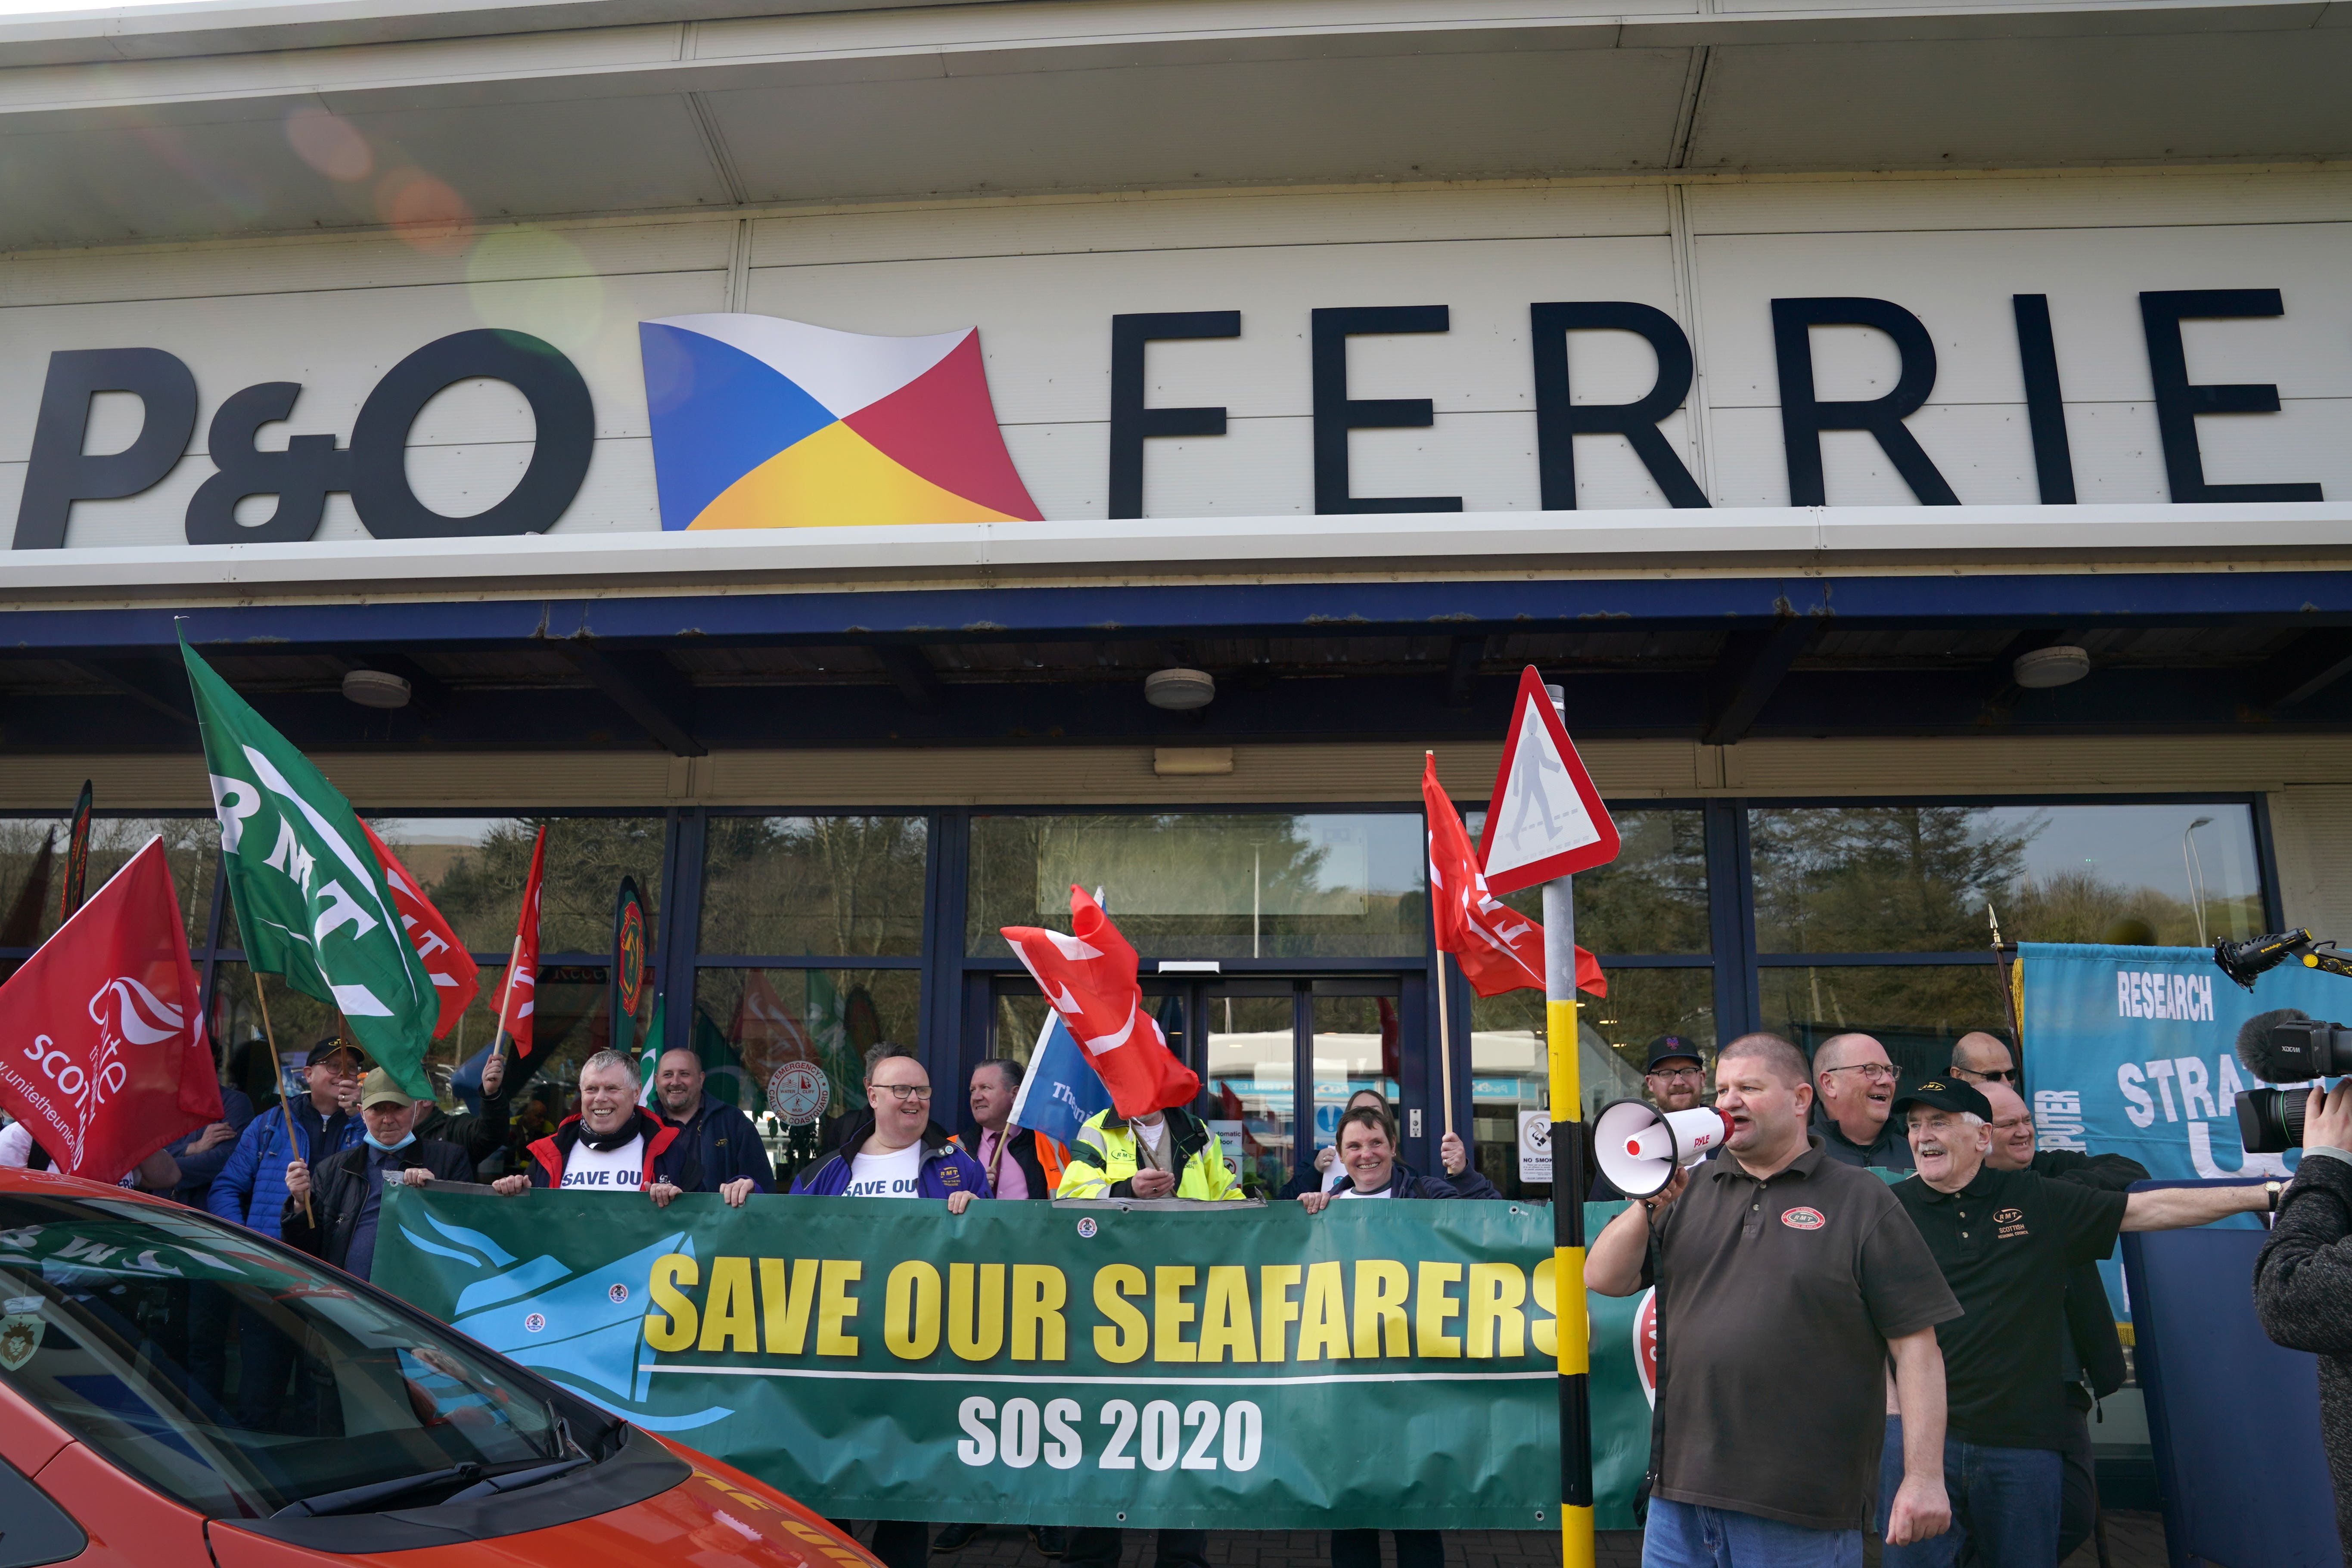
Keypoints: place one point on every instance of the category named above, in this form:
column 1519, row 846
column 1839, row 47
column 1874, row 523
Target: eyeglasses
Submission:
column 908, row 1093
column 1877, row 1072
column 1678, row 1075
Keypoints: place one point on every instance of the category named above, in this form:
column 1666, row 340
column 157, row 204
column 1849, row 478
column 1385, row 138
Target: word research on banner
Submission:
column 1545, row 820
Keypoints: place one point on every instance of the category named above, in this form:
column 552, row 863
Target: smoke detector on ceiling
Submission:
column 2047, row 667
column 1179, row 690
column 375, row 688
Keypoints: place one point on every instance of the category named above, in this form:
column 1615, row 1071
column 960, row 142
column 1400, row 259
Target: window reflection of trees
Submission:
column 31, row 883
column 478, row 886
column 1651, row 899
column 845, row 886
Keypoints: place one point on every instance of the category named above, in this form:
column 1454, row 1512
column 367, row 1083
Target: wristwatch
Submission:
column 2274, row 1187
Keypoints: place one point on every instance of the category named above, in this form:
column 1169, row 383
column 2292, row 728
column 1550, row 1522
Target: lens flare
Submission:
column 424, row 212
column 329, row 144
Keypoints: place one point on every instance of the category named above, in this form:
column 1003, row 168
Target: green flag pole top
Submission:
column 310, row 901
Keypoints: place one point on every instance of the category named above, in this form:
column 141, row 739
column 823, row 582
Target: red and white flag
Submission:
column 457, row 978
column 1089, row 979
column 519, row 992
column 103, row 1050
column 1498, row 947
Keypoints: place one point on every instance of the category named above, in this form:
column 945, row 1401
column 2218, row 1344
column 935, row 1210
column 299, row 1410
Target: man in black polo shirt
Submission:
column 1786, row 1282
column 2008, row 1241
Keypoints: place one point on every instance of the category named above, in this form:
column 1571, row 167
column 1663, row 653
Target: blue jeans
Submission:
column 2005, row 1500
column 1683, row 1535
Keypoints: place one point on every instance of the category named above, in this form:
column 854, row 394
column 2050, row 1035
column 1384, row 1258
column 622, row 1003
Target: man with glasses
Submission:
column 2093, row 1353
column 1857, row 1085
column 1982, row 1058
column 898, row 1152
column 1676, row 1080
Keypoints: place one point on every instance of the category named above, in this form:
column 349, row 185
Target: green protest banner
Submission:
column 1227, row 1366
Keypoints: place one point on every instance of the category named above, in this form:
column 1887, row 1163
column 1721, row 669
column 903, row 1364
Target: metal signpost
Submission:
column 1544, row 823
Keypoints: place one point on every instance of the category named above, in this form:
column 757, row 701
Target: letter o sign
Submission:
column 559, row 403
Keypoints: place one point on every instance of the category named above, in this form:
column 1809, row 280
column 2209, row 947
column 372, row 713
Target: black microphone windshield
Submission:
column 2262, row 1059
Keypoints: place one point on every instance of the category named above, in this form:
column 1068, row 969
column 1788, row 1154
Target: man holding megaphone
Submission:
column 1787, row 1282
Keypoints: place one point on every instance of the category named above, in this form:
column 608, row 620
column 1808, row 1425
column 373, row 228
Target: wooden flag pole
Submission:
column 506, row 1000
column 285, row 1106
column 1445, row 1044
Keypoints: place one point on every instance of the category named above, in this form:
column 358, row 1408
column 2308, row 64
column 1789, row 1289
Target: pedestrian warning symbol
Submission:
column 1546, row 819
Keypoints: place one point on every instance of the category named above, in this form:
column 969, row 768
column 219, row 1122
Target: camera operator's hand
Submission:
column 2328, row 1118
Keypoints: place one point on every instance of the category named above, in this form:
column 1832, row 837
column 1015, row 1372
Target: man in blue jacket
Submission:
column 734, row 1162
column 251, row 1186
column 898, row 1152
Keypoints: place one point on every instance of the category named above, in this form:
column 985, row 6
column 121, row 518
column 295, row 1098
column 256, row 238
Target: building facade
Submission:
column 1774, row 381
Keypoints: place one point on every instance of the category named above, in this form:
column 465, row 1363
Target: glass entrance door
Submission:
column 1279, row 1056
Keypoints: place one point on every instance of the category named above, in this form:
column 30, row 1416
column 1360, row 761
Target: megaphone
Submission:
column 1638, row 1148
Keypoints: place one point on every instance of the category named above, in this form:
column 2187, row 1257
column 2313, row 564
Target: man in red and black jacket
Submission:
column 613, row 1145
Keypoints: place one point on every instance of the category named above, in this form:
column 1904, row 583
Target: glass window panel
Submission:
column 1914, row 1010
column 473, row 869
column 1208, row 885
column 32, row 883
column 1253, row 1086
column 1916, row 879
column 1651, row 899
column 1355, row 1047
column 750, row 1022
column 1510, row 1063
column 848, row 887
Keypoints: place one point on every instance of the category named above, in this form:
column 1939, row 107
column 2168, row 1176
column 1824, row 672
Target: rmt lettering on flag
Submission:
column 2160, row 993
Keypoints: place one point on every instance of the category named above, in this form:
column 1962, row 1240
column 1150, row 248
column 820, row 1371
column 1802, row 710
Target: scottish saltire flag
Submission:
column 759, row 422
column 1058, row 1090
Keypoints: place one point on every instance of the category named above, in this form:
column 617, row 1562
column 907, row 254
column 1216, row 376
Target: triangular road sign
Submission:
column 1545, row 820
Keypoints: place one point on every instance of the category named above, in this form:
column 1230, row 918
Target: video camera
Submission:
column 2287, row 1045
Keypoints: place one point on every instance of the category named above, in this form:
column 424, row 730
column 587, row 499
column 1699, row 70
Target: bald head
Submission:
column 1977, row 1054
column 1856, row 1084
column 2012, row 1128
column 1844, row 1050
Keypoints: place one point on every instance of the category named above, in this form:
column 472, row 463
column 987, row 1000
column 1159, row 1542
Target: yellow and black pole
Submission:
column 1576, row 1545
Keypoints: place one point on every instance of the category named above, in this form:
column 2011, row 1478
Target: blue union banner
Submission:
column 1382, row 1364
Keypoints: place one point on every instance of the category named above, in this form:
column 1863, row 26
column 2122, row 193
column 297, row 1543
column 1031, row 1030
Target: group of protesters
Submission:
column 1837, row 1352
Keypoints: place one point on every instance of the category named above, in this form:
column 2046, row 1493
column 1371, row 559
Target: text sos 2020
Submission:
column 1020, row 1434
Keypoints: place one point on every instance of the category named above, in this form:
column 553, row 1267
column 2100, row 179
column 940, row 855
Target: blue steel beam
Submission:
column 1124, row 612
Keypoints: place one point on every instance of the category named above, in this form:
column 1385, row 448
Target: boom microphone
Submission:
column 2264, row 1059
column 2284, row 1046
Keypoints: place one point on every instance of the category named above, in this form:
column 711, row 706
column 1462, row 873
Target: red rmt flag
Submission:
column 519, row 992
column 102, row 1051
column 457, row 978
column 1089, row 979
column 1498, row 947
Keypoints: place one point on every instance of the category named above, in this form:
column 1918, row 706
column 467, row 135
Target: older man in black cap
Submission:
column 1675, row 1081
column 2008, row 1241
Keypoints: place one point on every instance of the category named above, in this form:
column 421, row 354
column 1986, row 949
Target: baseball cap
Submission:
column 377, row 1089
column 1673, row 1047
column 329, row 1046
column 1944, row 1094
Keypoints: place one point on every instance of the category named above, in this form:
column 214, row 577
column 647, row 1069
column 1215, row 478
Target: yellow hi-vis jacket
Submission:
column 1103, row 1160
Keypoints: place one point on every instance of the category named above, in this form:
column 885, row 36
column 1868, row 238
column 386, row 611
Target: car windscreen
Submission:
column 241, row 1378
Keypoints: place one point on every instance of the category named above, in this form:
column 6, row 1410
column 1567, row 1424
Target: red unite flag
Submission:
column 518, row 993
column 457, row 978
column 1498, row 947
column 1089, row 979
column 102, row 1049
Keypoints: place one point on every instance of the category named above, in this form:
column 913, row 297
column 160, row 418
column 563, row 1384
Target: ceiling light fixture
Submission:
column 375, row 688
column 1179, row 690
column 2046, row 667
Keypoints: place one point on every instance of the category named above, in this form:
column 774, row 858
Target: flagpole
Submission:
column 1445, row 1044
column 506, row 1000
column 285, row 1106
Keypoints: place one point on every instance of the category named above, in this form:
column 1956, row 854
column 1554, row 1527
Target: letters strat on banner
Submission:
column 1238, row 1367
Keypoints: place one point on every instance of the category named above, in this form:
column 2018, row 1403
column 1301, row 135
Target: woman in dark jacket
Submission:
column 1465, row 1183
column 2303, row 1280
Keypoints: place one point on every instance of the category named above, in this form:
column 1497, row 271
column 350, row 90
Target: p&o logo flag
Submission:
column 759, row 422
column 1498, row 947
column 312, row 904
column 1089, row 978
column 103, row 1052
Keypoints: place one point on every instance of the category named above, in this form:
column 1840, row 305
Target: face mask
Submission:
column 405, row 1140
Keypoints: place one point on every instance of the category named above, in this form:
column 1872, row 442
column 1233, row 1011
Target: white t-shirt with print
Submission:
column 621, row 1171
column 897, row 1175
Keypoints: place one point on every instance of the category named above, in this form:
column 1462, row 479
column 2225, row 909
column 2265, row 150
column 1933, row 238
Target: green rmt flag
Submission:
column 310, row 899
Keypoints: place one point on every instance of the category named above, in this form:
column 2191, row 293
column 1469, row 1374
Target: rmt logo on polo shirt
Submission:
column 1802, row 1219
